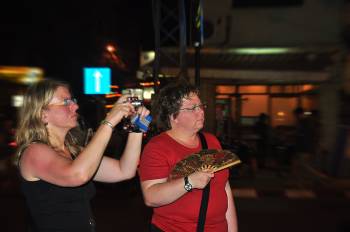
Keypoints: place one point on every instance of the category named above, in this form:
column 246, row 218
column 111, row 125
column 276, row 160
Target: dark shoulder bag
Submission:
column 205, row 194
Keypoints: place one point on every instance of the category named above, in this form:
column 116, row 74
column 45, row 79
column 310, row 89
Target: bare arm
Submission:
column 112, row 170
column 39, row 161
column 160, row 192
column 231, row 216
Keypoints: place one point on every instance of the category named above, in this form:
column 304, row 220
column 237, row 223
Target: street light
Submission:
column 110, row 48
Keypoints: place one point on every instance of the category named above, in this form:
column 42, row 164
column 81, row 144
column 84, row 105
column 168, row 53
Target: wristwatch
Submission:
column 187, row 186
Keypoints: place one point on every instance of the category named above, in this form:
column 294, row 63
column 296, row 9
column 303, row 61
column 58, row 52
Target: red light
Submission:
column 13, row 144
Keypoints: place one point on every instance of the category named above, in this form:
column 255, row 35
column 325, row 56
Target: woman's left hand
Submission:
column 142, row 111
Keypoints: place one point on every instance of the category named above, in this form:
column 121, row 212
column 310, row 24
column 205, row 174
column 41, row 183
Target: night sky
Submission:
column 64, row 38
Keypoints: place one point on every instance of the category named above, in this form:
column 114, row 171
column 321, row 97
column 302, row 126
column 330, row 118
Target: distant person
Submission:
column 56, row 172
column 263, row 131
column 303, row 131
column 179, row 115
column 315, row 129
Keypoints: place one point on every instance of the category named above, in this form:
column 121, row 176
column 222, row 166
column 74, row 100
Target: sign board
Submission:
column 97, row 80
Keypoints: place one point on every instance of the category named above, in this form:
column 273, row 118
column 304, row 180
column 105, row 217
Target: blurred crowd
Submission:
column 264, row 147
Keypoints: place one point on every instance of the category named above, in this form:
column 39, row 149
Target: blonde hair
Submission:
column 31, row 128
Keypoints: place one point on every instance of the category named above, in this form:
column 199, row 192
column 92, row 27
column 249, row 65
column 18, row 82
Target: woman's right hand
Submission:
column 200, row 179
column 121, row 109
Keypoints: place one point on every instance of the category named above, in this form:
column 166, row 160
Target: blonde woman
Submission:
column 56, row 172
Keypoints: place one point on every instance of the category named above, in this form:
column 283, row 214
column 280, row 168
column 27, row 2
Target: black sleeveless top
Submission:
column 55, row 208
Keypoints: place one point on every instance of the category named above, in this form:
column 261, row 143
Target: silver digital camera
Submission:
column 134, row 123
column 135, row 101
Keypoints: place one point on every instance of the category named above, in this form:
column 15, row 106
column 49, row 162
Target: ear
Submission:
column 172, row 119
column 44, row 116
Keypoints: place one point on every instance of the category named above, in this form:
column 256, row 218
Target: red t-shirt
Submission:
column 158, row 158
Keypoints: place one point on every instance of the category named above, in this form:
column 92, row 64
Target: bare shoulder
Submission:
column 36, row 152
column 31, row 157
column 40, row 161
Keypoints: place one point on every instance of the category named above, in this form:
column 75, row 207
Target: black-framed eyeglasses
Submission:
column 195, row 108
column 66, row 102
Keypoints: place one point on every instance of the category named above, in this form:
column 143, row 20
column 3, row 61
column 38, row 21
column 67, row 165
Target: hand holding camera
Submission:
column 138, row 122
column 119, row 111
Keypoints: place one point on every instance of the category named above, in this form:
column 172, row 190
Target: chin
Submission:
column 74, row 124
column 198, row 128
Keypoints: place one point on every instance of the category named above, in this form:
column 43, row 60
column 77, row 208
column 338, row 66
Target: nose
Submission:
column 74, row 106
column 202, row 107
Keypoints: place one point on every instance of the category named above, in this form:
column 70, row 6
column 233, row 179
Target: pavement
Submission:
column 287, row 195
column 302, row 179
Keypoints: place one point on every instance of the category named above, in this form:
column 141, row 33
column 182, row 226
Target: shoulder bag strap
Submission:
column 205, row 194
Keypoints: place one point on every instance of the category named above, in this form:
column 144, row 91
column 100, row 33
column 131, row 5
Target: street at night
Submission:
column 268, row 81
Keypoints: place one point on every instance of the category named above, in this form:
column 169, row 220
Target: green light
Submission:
column 259, row 51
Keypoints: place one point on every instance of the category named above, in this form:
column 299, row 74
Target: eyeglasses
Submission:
column 66, row 102
column 195, row 108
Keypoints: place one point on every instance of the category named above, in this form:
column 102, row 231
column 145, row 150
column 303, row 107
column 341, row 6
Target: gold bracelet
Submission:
column 105, row 122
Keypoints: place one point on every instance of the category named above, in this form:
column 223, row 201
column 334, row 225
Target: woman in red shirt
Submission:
column 179, row 115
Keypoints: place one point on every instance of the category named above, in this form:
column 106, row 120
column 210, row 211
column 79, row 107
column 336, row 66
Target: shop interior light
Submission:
column 259, row 51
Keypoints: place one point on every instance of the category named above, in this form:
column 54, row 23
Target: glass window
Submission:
column 285, row 89
column 225, row 89
column 282, row 110
column 252, row 89
column 309, row 102
column 222, row 96
column 253, row 105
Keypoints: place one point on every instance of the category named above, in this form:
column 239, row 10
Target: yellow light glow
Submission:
column 21, row 75
column 17, row 100
column 147, row 93
column 281, row 114
column 147, row 57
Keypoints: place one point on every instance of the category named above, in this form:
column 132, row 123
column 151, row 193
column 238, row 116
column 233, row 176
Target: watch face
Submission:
column 188, row 187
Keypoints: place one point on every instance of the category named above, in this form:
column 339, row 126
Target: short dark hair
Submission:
column 168, row 102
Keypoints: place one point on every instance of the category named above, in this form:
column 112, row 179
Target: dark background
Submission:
column 63, row 38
